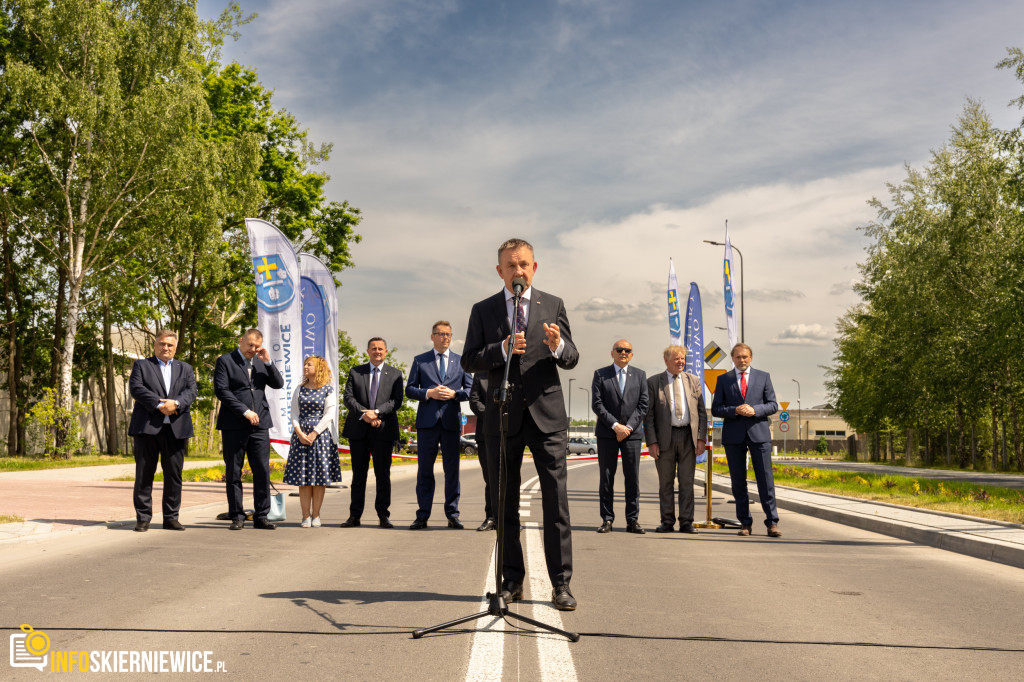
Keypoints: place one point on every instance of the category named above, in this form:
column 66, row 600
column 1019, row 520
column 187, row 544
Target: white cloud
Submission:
column 802, row 335
column 614, row 136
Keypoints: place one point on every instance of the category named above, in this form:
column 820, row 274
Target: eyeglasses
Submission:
column 624, row 350
column 443, row 335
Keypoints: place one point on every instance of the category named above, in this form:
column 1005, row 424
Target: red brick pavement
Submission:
column 72, row 504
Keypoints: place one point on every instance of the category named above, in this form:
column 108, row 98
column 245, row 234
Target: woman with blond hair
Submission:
column 313, row 457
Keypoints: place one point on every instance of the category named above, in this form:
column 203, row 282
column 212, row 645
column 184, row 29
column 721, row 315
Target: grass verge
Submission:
column 10, row 518
column 36, row 463
column 957, row 497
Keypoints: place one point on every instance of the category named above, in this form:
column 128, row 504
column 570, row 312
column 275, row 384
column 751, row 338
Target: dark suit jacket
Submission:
column 534, row 375
column 610, row 406
column 237, row 393
column 146, row 384
column 357, row 399
column 423, row 376
column 760, row 396
column 479, row 402
column 658, row 422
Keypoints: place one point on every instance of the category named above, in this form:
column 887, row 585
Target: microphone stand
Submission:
column 496, row 605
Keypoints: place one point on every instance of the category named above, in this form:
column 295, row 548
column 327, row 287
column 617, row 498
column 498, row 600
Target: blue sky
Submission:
column 616, row 134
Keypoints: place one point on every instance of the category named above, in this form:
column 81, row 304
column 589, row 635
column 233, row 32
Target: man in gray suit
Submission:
column 745, row 400
column 619, row 397
column 676, row 428
column 164, row 390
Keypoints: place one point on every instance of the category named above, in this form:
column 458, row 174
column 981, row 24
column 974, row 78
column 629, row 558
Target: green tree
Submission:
column 116, row 98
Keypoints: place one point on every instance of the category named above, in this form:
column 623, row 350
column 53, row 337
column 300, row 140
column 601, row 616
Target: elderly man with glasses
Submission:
column 620, row 399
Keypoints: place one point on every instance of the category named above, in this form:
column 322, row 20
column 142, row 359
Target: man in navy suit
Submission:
column 744, row 399
column 373, row 396
column 536, row 410
column 439, row 383
column 240, row 379
column 620, row 399
column 163, row 389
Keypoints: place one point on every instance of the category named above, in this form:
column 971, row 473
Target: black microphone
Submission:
column 518, row 285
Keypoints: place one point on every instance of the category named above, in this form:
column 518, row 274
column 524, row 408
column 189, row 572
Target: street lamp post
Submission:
column 570, row 405
column 743, row 305
column 799, row 413
column 587, row 391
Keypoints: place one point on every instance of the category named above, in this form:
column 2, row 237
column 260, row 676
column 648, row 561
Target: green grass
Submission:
column 35, row 463
column 10, row 518
column 958, row 497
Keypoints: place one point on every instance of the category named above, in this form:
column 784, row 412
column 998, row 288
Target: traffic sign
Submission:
column 784, row 416
column 713, row 354
column 783, row 427
column 711, row 378
column 784, row 406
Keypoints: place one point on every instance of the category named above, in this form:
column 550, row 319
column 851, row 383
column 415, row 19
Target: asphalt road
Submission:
column 823, row 602
column 976, row 477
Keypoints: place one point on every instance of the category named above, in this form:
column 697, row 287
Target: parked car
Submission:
column 467, row 444
column 578, row 446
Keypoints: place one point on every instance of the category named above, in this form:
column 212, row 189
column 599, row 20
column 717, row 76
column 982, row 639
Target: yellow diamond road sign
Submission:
column 713, row 354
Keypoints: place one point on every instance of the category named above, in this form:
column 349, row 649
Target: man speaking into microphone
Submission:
column 536, row 409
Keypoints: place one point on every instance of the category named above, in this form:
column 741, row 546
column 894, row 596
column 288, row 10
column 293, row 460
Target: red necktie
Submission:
column 743, row 384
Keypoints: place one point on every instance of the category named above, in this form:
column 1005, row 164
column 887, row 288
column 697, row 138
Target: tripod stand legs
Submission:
column 496, row 608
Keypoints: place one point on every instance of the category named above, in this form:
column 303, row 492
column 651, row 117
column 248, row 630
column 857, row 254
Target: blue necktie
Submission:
column 622, row 381
column 440, row 371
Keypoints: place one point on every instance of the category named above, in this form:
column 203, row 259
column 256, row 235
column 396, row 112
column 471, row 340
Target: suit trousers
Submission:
column 481, row 453
column 549, row 459
column 608, row 450
column 761, row 460
column 678, row 461
column 363, row 450
column 238, row 443
column 427, row 442
column 170, row 451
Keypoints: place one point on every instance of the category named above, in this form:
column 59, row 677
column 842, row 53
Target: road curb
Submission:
column 959, row 541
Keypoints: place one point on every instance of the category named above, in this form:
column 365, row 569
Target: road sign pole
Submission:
column 707, row 490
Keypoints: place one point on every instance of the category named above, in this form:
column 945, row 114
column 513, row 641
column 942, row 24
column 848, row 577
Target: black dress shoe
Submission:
column 173, row 524
column 237, row 524
column 562, row 598
column 418, row 525
column 635, row 527
column 350, row 522
column 688, row 528
column 141, row 526
column 665, row 528
column 488, row 524
column 456, row 524
column 606, row 527
column 511, row 591
column 385, row 522
column 263, row 524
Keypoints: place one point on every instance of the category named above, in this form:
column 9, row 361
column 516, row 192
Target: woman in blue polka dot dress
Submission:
column 313, row 456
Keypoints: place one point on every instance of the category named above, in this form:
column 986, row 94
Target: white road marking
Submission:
column 554, row 657
column 487, row 655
